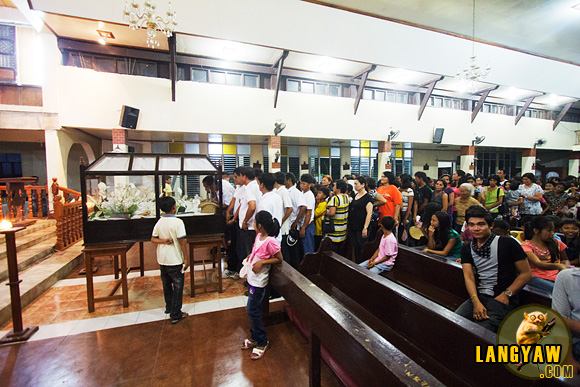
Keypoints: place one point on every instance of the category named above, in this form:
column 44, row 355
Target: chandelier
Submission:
column 146, row 18
column 472, row 72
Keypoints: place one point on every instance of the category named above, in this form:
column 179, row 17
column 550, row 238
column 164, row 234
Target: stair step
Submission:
column 30, row 240
column 29, row 256
column 40, row 277
column 40, row 224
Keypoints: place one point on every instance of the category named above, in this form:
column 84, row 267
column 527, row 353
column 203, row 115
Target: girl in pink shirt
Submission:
column 546, row 255
column 384, row 258
column 266, row 251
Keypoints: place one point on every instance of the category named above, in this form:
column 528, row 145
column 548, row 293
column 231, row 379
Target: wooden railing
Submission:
column 37, row 202
column 68, row 215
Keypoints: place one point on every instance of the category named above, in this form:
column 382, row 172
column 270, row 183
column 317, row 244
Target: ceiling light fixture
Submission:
column 472, row 72
column 147, row 18
column 104, row 36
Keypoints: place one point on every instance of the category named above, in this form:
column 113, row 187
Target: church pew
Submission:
column 366, row 358
column 440, row 341
column 438, row 278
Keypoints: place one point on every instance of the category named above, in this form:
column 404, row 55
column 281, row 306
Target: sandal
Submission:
column 183, row 315
column 257, row 353
column 249, row 344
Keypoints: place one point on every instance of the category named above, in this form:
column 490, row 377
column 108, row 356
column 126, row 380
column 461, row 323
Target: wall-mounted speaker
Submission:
column 438, row 136
column 129, row 117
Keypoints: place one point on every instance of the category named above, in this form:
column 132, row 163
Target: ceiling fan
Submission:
column 393, row 134
column 279, row 126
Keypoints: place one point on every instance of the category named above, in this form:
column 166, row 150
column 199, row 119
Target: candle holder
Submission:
column 18, row 333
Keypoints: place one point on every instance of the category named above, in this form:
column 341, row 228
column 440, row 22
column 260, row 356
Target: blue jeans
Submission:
column 173, row 280
column 496, row 311
column 377, row 269
column 254, row 310
column 308, row 240
column 542, row 283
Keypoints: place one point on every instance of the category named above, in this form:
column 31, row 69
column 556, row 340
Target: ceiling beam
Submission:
column 366, row 70
column 362, row 86
column 279, row 76
column 479, row 104
column 527, row 104
column 428, row 83
column 427, row 96
column 172, row 41
column 562, row 114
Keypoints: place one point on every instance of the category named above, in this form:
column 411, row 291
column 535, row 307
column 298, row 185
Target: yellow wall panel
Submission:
column 230, row 149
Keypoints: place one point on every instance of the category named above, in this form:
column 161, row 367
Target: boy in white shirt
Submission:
column 169, row 235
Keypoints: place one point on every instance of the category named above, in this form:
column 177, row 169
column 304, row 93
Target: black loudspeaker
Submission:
column 129, row 117
column 438, row 136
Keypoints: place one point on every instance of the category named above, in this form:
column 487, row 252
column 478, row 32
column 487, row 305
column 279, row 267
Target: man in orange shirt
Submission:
column 392, row 195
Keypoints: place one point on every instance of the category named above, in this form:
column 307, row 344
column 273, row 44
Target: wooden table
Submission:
column 208, row 241
column 117, row 250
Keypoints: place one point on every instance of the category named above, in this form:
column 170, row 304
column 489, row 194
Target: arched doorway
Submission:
column 73, row 174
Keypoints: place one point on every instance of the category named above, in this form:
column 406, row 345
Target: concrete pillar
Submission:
column 574, row 164
column 344, row 161
column 120, row 140
column 467, row 159
column 273, row 148
column 56, row 158
column 529, row 161
column 384, row 157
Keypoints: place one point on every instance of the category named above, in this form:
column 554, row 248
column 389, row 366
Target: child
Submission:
column 321, row 196
column 384, row 258
column 169, row 235
column 502, row 228
column 545, row 254
column 266, row 251
column 513, row 200
column 570, row 210
column 571, row 230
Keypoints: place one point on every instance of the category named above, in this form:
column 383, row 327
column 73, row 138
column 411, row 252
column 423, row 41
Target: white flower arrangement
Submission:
column 124, row 200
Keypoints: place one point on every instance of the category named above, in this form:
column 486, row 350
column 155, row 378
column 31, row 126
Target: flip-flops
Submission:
column 183, row 315
column 257, row 353
column 249, row 344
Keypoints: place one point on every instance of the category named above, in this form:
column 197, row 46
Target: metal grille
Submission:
column 294, row 166
column 192, row 185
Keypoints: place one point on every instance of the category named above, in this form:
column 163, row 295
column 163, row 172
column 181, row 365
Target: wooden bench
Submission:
column 439, row 279
column 368, row 358
column 438, row 340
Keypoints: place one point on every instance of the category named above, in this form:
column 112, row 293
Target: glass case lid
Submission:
column 151, row 163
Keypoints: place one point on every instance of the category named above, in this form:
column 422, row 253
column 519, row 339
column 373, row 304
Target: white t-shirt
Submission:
column 286, row 203
column 251, row 193
column 310, row 204
column 169, row 226
column 238, row 193
column 227, row 192
column 298, row 200
column 272, row 203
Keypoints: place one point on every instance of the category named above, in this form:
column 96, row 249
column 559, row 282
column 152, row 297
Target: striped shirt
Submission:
column 340, row 218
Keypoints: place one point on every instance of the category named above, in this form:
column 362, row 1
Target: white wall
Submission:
column 432, row 157
column 93, row 100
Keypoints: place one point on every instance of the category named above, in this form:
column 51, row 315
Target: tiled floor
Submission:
column 202, row 350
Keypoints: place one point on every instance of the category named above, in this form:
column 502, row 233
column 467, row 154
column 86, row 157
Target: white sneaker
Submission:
column 230, row 274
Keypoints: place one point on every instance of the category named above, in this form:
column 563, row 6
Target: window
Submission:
column 199, row 75
column 380, row 95
column 251, row 80
column 321, row 88
column 8, row 53
column 307, row 87
column 368, row 94
column 363, row 155
column 334, row 90
column 313, row 87
column 146, row 69
column 218, row 77
column 234, row 79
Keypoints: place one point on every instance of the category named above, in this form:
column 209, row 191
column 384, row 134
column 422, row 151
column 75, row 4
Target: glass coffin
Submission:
column 119, row 192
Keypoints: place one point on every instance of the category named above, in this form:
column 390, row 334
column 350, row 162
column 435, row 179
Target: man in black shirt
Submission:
column 422, row 194
column 495, row 269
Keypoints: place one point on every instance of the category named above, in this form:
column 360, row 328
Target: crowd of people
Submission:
column 528, row 226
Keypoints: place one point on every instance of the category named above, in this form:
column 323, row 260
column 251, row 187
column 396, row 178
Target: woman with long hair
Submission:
column 443, row 239
column 359, row 216
column 546, row 255
column 439, row 195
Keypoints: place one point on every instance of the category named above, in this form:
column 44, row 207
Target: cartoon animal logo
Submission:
column 533, row 328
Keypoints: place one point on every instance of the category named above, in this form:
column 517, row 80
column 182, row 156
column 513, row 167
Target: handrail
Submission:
column 37, row 203
column 68, row 215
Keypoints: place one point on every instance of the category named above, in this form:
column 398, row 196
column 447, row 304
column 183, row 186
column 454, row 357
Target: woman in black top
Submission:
column 359, row 216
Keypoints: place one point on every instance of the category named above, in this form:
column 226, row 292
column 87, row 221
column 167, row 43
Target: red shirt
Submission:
column 544, row 256
column 393, row 197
